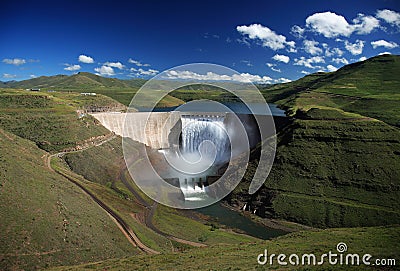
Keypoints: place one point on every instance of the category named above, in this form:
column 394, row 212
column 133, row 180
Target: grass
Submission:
column 45, row 220
column 337, row 163
column 51, row 121
column 380, row 242
column 170, row 221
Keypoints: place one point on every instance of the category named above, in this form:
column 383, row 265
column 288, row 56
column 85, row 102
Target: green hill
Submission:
column 370, row 88
column 380, row 242
column 337, row 162
column 45, row 220
column 120, row 90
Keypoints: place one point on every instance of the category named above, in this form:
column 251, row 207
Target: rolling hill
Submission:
column 337, row 162
column 337, row 165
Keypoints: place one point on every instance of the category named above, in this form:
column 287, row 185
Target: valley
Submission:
column 68, row 201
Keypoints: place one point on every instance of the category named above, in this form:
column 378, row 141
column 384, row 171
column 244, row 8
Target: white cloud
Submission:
column 334, row 51
column 308, row 62
column 281, row 58
column 282, row 80
column 211, row 76
column 354, row 48
column 331, row 68
column 340, row 60
column 332, row 25
column 384, row 53
column 85, row 59
column 310, row 46
column 329, row 24
column 270, row 65
column 105, row 71
column 32, row 76
column 137, row 63
column 14, row 61
column 384, row 43
column 363, row 58
column 389, row 16
column 148, row 72
column 267, row 36
column 115, row 65
column 275, row 69
column 304, row 72
column 365, row 24
column 297, row 31
column 9, row 76
column 72, row 67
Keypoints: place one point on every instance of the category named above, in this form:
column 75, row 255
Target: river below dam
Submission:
column 234, row 219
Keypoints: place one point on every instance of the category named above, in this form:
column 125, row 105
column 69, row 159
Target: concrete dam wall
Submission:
column 164, row 128
column 154, row 134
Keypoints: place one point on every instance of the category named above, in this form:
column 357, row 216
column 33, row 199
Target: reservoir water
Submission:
column 238, row 108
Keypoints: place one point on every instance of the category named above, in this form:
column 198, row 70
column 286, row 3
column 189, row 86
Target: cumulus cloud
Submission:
column 72, row 67
column 137, row 63
column 365, row 24
column 211, row 76
column 384, row 43
column 310, row 46
column 331, row 68
column 281, row 58
column 9, row 76
column 363, row 58
column 282, row 80
column 389, row 16
column 308, row 62
column 85, row 59
column 384, row 53
column 14, row 61
column 332, row 51
column 354, row 48
column 331, row 25
column 150, row 72
column 340, row 61
column 267, row 36
column 104, row 71
column 32, row 76
column 115, row 65
column 297, row 31
column 304, row 72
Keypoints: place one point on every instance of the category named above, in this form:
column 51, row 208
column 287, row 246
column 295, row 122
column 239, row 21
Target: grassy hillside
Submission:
column 370, row 88
column 336, row 165
column 45, row 220
column 380, row 242
column 52, row 120
column 120, row 90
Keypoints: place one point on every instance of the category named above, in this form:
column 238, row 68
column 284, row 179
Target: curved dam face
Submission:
column 161, row 130
column 150, row 129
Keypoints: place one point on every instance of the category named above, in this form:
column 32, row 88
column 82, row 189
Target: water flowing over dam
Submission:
column 198, row 130
column 195, row 145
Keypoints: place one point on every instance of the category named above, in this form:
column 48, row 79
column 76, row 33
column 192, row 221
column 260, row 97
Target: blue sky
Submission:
column 265, row 41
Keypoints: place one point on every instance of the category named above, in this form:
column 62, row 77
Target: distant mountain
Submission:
column 81, row 80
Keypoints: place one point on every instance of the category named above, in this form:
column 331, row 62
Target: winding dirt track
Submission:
column 128, row 232
column 150, row 210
